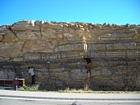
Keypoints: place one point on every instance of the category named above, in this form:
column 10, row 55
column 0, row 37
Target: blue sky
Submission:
column 88, row 11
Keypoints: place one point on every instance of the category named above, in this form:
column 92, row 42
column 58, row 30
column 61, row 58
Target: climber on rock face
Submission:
column 88, row 66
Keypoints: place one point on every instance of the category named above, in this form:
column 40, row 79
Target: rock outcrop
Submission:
column 55, row 49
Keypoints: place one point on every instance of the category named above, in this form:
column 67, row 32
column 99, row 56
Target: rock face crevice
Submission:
column 55, row 49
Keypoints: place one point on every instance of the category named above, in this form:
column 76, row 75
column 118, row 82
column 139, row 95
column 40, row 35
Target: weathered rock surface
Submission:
column 114, row 50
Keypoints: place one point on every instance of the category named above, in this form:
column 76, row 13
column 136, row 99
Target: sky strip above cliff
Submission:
column 88, row 11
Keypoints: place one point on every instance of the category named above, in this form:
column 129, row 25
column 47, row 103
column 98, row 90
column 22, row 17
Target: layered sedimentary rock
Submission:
column 55, row 49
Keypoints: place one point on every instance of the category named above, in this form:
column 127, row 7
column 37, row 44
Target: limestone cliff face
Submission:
column 55, row 49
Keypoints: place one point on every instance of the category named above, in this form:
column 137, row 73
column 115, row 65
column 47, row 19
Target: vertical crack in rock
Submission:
column 12, row 33
column 2, row 38
column 23, row 46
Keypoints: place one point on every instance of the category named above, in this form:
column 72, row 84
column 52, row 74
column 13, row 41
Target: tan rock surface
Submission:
column 55, row 50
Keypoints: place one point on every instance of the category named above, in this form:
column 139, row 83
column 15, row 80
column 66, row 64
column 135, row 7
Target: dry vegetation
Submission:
column 85, row 90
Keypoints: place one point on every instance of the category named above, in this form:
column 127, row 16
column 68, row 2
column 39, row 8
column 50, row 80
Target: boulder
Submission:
column 25, row 25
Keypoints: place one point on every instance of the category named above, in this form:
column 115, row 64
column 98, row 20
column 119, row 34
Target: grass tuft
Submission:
column 29, row 88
